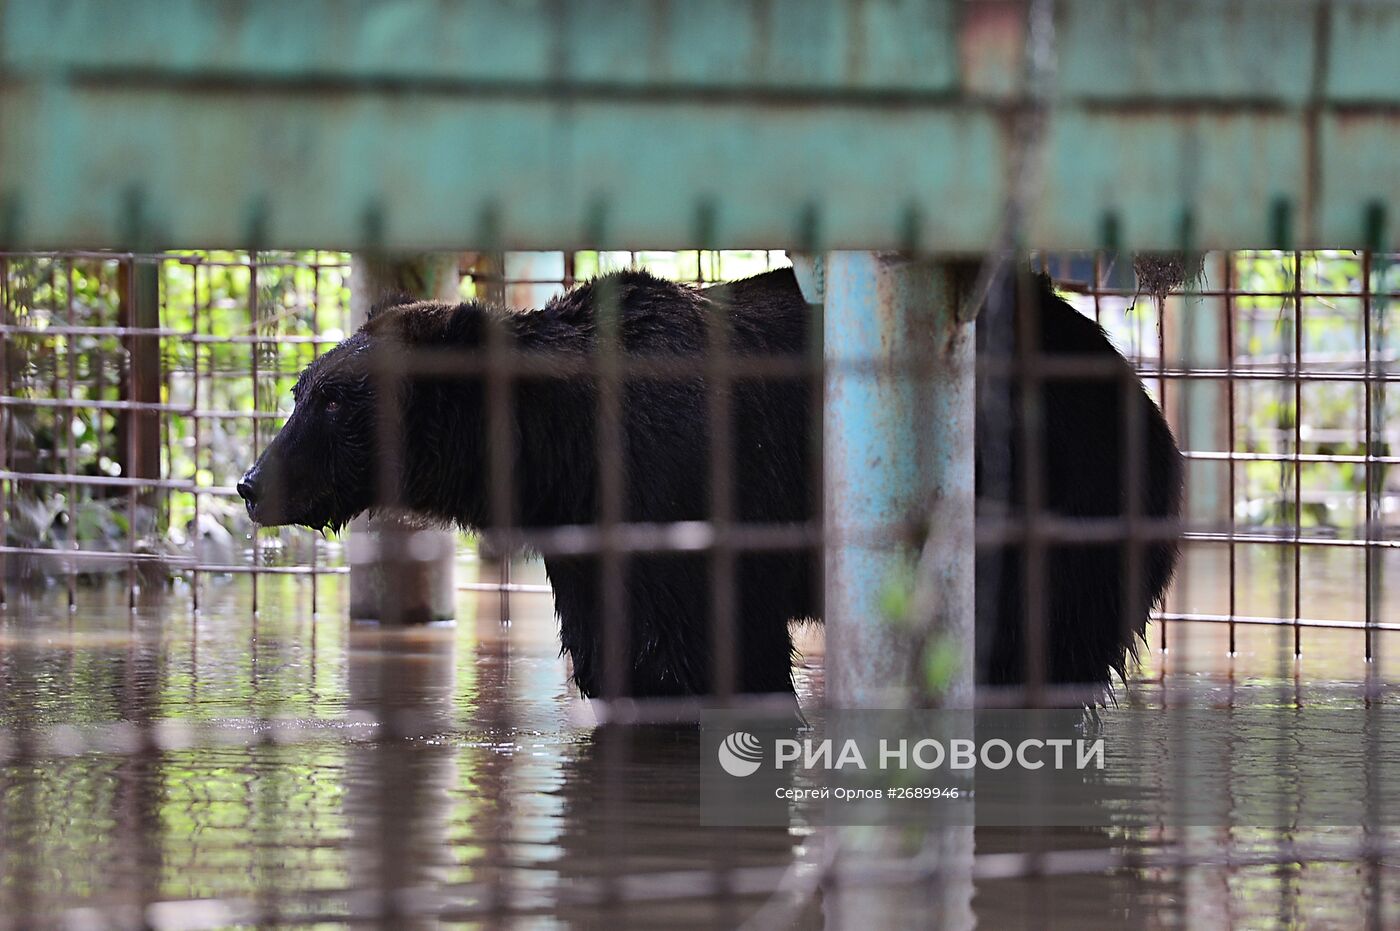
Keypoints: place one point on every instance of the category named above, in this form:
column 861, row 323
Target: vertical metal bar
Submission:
column 1233, row 595
column 1371, row 828
column 254, row 349
column 133, row 432
column 1136, row 437
column 1097, row 288
column 500, row 368
column 165, row 458
column 500, row 359
column 492, row 288
column 1133, row 475
column 1374, row 307
column 612, row 466
column 725, row 647
column 6, row 428
column 1283, row 476
column 71, row 442
column 613, row 562
column 1368, row 437
column 197, row 313
column 1297, row 458
column 315, row 542
column 1030, row 476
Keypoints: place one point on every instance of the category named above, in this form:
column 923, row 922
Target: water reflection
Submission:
column 398, row 804
column 181, row 771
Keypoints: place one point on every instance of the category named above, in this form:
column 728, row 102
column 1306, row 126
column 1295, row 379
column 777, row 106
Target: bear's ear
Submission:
column 389, row 300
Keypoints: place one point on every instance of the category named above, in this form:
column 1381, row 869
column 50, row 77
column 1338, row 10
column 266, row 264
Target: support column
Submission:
column 898, row 458
column 900, row 547
column 398, row 574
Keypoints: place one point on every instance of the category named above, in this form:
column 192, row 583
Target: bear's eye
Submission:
column 332, row 405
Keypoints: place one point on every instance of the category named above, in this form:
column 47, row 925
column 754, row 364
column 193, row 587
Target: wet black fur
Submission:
column 325, row 458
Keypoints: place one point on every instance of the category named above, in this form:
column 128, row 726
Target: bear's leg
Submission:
column 666, row 613
column 577, row 601
column 670, row 644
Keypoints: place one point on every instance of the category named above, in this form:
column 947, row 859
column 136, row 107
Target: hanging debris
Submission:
column 1161, row 273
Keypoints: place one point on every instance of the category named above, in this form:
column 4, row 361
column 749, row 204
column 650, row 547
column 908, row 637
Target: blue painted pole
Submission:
column 898, row 442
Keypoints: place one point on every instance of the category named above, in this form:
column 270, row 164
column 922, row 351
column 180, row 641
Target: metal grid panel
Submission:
column 224, row 364
column 1278, row 384
column 135, row 386
column 203, row 386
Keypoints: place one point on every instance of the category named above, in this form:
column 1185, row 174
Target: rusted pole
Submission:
column 138, row 431
column 399, row 574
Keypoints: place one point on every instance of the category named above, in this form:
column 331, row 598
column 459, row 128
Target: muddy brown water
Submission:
column 163, row 769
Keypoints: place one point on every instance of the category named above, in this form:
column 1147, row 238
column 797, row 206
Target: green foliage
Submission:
column 941, row 663
column 212, row 307
column 897, row 591
column 1309, row 314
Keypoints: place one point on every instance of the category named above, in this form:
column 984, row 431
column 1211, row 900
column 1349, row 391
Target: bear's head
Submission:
column 330, row 462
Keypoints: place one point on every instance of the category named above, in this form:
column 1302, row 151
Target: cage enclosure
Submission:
column 810, row 372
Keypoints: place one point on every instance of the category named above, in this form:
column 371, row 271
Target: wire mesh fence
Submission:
column 135, row 386
column 137, row 389
column 1283, row 404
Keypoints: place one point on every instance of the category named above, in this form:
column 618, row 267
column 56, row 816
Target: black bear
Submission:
column 324, row 468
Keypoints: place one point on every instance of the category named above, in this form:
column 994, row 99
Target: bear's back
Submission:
column 766, row 315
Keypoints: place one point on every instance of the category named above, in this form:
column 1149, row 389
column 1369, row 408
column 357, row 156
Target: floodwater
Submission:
column 161, row 769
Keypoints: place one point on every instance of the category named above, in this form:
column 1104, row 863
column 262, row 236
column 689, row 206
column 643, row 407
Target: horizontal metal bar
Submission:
column 1211, row 456
column 279, row 339
column 881, row 123
column 240, row 415
column 124, row 556
column 1189, row 291
column 86, row 403
column 699, row 536
column 514, row 587
column 268, row 570
column 813, row 44
column 1285, row 537
column 107, row 481
column 868, row 177
column 170, row 560
column 1303, row 375
column 46, row 329
column 1278, row 621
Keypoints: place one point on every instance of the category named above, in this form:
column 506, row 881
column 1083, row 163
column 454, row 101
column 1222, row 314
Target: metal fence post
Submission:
column 399, row 574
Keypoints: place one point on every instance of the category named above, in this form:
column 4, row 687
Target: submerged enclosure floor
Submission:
column 159, row 768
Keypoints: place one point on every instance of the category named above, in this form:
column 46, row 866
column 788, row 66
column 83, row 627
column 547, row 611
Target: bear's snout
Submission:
column 249, row 491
